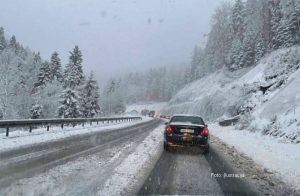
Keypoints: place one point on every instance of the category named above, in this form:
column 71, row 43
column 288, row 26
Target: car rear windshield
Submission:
column 188, row 120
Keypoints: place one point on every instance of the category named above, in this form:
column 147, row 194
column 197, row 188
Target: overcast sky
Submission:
column 114, row 35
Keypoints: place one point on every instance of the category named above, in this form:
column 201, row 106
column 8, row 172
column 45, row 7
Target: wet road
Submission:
column 186, row 171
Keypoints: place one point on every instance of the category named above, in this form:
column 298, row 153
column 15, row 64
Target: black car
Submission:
column 186, row 130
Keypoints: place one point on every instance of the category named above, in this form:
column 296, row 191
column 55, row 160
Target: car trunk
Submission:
column 186, row 129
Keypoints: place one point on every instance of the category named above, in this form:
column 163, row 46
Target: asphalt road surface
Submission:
column 187, row 171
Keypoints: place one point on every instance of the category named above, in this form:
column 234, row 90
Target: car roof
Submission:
column 190, row 115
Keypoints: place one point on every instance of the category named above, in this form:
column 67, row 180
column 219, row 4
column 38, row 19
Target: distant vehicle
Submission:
column 156, row 115
column 184, row 130
column 145, row 112
column 165, row 116
column 152, row 113
column 162, row 116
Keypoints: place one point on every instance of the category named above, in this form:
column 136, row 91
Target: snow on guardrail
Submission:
column 61, row 121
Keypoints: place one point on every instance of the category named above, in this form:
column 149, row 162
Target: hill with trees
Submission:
column 35, row 88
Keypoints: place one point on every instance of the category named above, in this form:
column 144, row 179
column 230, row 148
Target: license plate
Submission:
column 186, row 138
column 187, row 130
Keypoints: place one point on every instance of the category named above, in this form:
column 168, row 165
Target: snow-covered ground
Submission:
column 156, row 106
column 267, row 96
column 281, row 158
column 21, row 138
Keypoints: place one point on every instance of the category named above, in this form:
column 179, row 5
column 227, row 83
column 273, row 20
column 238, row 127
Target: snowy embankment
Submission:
column 22, row 138
column 130, row 175
column 280, row 158
column 266, row 97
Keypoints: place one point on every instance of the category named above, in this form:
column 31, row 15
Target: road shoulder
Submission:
column 265, row 180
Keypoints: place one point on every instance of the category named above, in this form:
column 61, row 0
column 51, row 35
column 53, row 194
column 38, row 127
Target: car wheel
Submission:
column 166, row 147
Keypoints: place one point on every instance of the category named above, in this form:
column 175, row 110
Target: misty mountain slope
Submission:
column 266, row 97
column 209, row 96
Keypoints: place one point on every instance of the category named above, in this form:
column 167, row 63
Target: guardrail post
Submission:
column 62, row 125
column 83, row 124
column 97, row 122
column 7, row 131
column 48, row 127
column 30, row 129
column 91, row 122
column 74, row 125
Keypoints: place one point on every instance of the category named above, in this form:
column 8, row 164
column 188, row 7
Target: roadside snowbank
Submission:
column 21, row 138
column 281, row 158
column 132, row 172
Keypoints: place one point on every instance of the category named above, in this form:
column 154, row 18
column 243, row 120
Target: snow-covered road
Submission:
column 22, row 138
column 136, row 164
column 89, row 174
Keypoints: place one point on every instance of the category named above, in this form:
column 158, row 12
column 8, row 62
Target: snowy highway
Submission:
column 126, row 161
column 30, row 161
column 189, row 172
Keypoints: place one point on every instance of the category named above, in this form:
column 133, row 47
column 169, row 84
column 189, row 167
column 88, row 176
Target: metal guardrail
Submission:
column 229, row 121
column 31, row 123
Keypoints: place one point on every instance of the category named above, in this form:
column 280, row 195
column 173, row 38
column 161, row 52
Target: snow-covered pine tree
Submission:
column 294, row 22
column 237, row 19
column 236, row 53
column 284, row 37
column 55, row 67
column 3, row 42
column 69, row 106
column 215, row 54
column 264, row 18
column 251, row 30
column 73, row 73
column 276, row 16
column 43, row 77
column 13, row 42
column 289, row 29
column 36, row 111
column 248, row 53
column 260, row 48
column 8, row 81
column 73, row 79
column 48, row 94
column 89, row 96
column 237, row 25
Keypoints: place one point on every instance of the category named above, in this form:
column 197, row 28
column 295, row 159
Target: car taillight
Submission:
column 169, row 129
column 204, row 132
